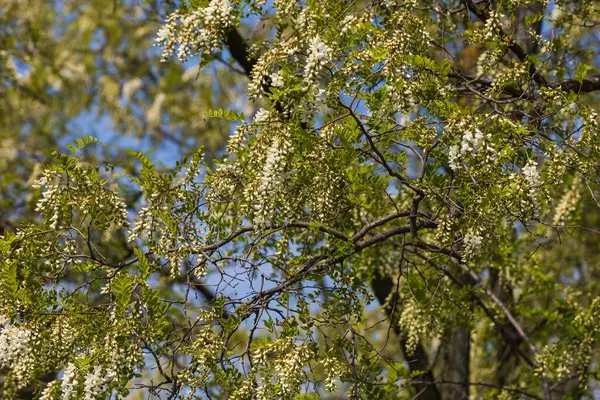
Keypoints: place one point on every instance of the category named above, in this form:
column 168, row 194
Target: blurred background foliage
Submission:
column 75, row 67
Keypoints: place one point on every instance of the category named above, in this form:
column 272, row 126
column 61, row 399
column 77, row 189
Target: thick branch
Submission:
column 239, row 50
column 513, row 46
column 424, row 385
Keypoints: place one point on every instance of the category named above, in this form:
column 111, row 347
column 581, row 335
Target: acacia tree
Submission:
column 412, row 214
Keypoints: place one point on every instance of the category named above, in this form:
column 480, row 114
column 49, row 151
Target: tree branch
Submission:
column 239, row 50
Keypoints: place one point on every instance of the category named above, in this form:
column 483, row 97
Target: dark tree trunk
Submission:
column 454, row 363
column 522, row 35
column 506, row 358
column 424, row 385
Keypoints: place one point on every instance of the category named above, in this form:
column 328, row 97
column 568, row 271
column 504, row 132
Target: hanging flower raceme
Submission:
column 473, row 143
column 319, row 54
column 16, row 350
column 568, row 203
column 81, row 190
column 198, row 31
column 532, row 177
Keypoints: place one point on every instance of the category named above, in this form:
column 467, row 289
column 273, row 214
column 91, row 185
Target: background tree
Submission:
column 90, row 67
column 412, row 214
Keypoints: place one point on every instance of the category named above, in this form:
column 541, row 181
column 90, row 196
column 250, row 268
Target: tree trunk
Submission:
column 424, row 384
column 454, row 363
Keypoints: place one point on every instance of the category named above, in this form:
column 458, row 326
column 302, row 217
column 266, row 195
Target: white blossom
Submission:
column 261, row 116
column 319, row 50
column 492, row 24
column 163, row 34
column 318, row 56
column 472, row 143
column 276, row 80
column 270, row 180
column 348, row 23
column 453, row 157
column 196, row 32
column 92, row 384
column 472, row 244
column 568, row 203
column 531, row 175
column 14, row 343
column 50, row 390
column 69, row 382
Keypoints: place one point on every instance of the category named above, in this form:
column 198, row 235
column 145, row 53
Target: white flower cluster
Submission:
column 348, row 23
column 237, row 139
column 532, row 177
column 277, row 80
column 261, row 117
column 69, row 382
column 591, row 125
column 15, row 350
column 507, row 76
column 472, row 245
column 472, row 143
column 196, row 32
column 408, row 4
column 146, row 223
column 306, row 23
column 556, row 359
column 286, row 9
column 290, row 368
column 226, row 179
column 49, row 203
column 400, row 92
column 492, row 25
column 270, row 180
column 243, row 392
column 106, row 207
column 326, row 192
column 306, row 107
column 70, row 251
column 319, row 54
column 487, row 61
column 568, row 203
column 412, row 324
column 327, row 187
column 50, row 391
column 333, row 370
column 123, row 358
column 261, row 71
column 204, row 350
column 92, row 383
column 489, row 32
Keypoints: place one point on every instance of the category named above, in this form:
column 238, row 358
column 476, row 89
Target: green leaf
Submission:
column 121, row 287
column 226, row 114
column 8, row 279
column 85, row 266
column 582, row 70
column 143, row 263
column 533, row 18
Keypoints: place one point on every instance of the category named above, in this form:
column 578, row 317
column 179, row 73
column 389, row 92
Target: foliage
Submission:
column 397, row 221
